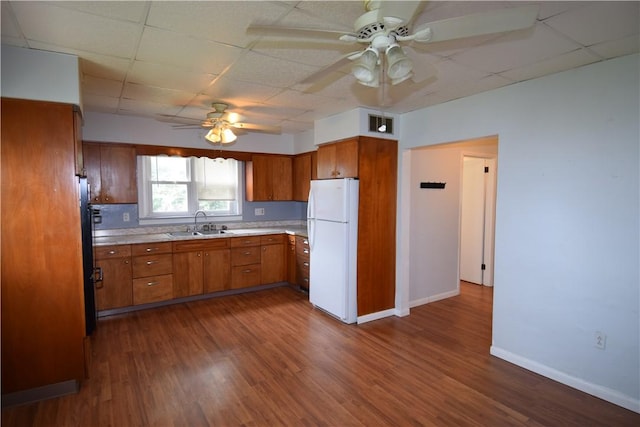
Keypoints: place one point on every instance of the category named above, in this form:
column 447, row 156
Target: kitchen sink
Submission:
column 195, row 233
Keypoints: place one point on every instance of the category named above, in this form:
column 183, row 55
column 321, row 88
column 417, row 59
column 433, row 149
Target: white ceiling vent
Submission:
column 380, row 124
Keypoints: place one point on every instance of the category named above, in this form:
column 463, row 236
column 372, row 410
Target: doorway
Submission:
column 477, row 219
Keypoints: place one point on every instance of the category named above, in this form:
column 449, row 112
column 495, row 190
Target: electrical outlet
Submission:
column 600, row 340
column 259, row 211
column 125, row 216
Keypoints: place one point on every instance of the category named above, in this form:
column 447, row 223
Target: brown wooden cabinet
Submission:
column 302, row 176
column 273, row 260
column 152, row 268
column 111, row 172
column 245, row 261
column 302, row 262
column 114, row 290
column 338, row 159
column 42, row 312
column 374, row 162
column 200, row 266
column 269, row 178
column 291, row 259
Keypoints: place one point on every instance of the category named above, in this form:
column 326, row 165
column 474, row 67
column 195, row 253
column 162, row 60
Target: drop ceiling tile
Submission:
column 134, row 11
column 103, row 87
column 168, row 77
column 254, row 67
column 157, row 94
column 222, row 21
column 103, row 104
column 150, row 109
column 8, row 26
column 338, row 15
column 598, row 22
column 556, row 64
column 227, row 88
column 44, row 22
column 619, row 47
column 516, row 50
column 299, row 100
column 167, row 47
column 307, row 52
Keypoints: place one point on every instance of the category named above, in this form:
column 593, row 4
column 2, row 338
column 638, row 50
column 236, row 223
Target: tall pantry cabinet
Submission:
column 374, row 161
column 43, row 324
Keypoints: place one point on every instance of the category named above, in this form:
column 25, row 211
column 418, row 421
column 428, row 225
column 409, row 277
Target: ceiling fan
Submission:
column 386, row 25
column 222, row 124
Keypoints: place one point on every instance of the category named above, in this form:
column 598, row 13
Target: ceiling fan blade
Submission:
column 344, row 60
column 293, row 32
column 397, row 13
column 498, row 21
column 257, row 128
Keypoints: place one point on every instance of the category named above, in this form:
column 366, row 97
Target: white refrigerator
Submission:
column 332, row 225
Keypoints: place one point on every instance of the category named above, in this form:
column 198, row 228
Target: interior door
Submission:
column 476, row 234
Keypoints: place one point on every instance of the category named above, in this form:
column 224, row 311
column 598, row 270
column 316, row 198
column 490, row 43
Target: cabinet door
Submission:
column 77, row 130
column 217, row 270
column 301, row 177
column 187, row 274
column 258, row 178
column 115, row 290
column 273, row 264
column 281, row 178
column 347, row 159
column 91, row 158
column 326, row 166
column 118, row 174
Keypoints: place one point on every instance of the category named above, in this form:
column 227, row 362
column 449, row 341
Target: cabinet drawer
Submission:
column 152, row 289
column 243, row 276
column 151, row 248
column 272, row 239
column 152, row 265
column 114, row 251
column 302, row 250
column 245, row 256
column 200, row 245
column 238, row 242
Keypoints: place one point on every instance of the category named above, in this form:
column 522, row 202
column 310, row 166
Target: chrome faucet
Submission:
column 195, row 219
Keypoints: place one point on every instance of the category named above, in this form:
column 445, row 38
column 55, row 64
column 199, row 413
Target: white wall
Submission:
column 40, row 75
column 435, row 218
column 567, row 220
column 138, row 130
column 352, row 123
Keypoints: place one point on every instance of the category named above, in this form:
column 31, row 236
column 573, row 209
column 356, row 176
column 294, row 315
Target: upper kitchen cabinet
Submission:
column 43, row 318
column 111, row 172
column 269, row 178
column 304, row 167
column 338, row 159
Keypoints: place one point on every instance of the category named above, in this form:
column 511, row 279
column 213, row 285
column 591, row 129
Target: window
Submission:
column 177, row 187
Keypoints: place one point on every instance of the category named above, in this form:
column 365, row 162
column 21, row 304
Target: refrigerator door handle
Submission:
column 311, row 218
column 311, row 231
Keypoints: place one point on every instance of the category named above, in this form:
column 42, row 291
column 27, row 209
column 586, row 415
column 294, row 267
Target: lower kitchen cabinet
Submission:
column 200, row 266
column 152, row 265
column 291, row 259
column 273, row 259
column 245, row 262
column 114, row 289
column 302, row 262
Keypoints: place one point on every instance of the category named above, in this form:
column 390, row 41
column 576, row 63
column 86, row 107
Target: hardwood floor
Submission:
column 268, row 358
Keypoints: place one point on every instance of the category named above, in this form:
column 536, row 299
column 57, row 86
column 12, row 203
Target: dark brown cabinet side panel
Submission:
column 41, row 269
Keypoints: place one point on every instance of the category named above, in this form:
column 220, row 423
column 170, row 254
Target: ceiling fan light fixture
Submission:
column 401, row 79
column 365, row 69
column 227, row 136
column 399, row 65
column 213, row 136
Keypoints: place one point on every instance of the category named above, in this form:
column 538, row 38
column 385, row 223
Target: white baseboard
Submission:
column 434, row 298
column 376, row 316
column 604, row 393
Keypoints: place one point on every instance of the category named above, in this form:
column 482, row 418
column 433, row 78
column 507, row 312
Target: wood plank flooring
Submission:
column 268, row 359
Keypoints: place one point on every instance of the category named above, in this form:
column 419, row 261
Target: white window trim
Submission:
column 144, row 192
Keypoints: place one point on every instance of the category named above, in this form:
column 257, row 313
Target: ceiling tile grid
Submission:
column 169, row 60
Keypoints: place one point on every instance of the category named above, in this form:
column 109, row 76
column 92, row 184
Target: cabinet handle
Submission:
column 152, row 283
column 305, row 251
column 199, row 253
column 151, row 249
column 151, row 262
column 306, row 279
column 112, row 252
column 306, row 264
column 247, row 271
column 247, row 253
column 126, row 261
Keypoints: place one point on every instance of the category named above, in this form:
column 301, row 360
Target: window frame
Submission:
column 146, row 216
